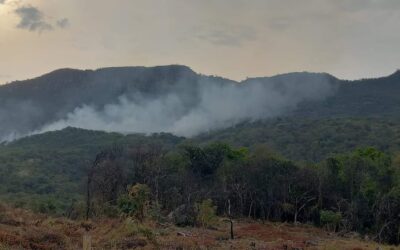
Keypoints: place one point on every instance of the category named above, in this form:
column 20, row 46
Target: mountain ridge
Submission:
column 75, row 70
column 28, row 105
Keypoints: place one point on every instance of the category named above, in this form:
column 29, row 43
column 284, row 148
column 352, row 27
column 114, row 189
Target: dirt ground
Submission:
column 21, row 229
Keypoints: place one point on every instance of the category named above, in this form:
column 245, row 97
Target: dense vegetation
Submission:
column 357, row 191
column 346, row 186
column 312, row 139
column 45, row 172
column 50, row 168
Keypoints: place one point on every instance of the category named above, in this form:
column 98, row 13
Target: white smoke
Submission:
column 219, row 106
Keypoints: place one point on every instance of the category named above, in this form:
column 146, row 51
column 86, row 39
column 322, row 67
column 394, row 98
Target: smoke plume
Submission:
column 210, row 106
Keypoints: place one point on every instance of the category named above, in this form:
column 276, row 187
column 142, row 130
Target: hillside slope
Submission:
column 174, row 99
column 377, row 97
column 27, row 105
column 49, row 169
column 312, row 139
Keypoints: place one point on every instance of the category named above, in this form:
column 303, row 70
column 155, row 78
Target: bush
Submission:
column 206, row 216
column 330, row 219
column 183, row 216
column 125, row 204
column 136, row 203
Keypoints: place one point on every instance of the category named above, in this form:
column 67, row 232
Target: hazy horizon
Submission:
column 201, row 73
column 236, row 39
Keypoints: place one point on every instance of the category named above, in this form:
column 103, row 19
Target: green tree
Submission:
column 137, row 202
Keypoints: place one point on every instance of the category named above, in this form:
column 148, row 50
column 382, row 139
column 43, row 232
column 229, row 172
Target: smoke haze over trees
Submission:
column 175, row 99
column 147, row 100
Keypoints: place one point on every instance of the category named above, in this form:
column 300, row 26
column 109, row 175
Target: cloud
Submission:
column 2, row 1
column 63, row 23
column 32, row 19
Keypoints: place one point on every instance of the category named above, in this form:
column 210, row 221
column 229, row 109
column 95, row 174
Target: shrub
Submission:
column 184, row 216
column 206, row 216
column 330, row 219
column 136, row 203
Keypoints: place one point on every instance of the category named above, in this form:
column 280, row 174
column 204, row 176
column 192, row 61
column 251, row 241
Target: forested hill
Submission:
column 310, row 139
column 183, row 95
column 27, row 105
column 56, row 162
column 52, row 166
column 377, row 97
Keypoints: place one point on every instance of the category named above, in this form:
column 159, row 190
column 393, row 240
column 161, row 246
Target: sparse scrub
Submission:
column 206, row 214
column 42, row 233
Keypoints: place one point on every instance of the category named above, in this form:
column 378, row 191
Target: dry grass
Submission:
column 21, row 229
column 254, row 235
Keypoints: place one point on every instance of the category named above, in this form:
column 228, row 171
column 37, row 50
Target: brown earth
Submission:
column 21, row 229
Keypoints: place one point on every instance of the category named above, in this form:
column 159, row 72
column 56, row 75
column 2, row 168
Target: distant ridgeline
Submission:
column 177, row 100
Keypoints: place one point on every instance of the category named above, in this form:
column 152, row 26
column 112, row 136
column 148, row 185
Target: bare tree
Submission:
column 105, row 178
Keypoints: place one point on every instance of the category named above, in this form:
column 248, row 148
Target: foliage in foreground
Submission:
column 357, row 191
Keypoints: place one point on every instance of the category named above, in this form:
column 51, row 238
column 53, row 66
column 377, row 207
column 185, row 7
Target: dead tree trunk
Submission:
column 230, row 220
column 88, row 197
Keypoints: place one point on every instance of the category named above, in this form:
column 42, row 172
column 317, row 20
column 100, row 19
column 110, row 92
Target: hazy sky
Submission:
column 230, row 38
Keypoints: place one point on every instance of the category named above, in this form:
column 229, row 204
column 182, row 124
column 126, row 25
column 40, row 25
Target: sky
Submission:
column 231, row 38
